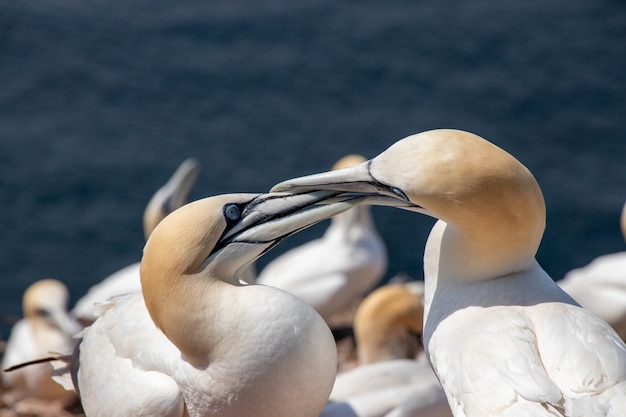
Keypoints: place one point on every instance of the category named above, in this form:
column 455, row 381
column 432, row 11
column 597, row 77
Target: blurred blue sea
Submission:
column 101, row 100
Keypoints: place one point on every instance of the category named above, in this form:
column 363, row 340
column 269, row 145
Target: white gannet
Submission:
column 168, row 198
column 335, row 271
column 46, row 327
column 388, row 324
column 502, row 337
column 392, row 374
column 600, row 287
column 195, row 342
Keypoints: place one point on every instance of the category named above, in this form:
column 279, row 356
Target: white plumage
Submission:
column 46, row 327
column 392, row 375
column 194, row 342
column 600, row 287
column 335, row 271
column 503, row 338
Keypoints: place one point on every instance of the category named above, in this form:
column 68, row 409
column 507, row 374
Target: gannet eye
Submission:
column 42, row 312
column 232, row 212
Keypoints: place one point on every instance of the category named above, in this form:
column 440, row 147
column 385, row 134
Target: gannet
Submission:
column 600, row 287
column 168, row 198
column 335, row 271
column 392, row 373
column 388, row 324
column 502, row 337
column 195, row 342
column 46, row 327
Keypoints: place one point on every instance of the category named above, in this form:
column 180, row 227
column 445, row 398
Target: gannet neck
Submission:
column 502, row 337
column 387, row 324
column 353, row 224
column 492, row 204
column 178, row 294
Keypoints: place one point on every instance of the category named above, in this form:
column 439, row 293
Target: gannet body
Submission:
column 168, row 198
column 391, row 372
column 197, row 343
column 46, row 327
column 502, row 337
column 338, row 269
column 600, row 287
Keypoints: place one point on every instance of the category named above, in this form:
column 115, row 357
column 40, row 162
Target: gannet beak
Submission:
column 268, row 218
column 357, row 181
column 179, row 186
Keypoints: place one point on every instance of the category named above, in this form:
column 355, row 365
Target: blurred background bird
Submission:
column 46, row 328
column 333, row 273
column 600, row 287
column 172, row 195
column 392, row 375
column 97, row 102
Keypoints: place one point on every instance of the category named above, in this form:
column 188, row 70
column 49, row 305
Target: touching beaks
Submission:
column 356, row 181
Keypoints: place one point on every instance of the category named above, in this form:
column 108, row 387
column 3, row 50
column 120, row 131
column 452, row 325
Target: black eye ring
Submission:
column 232, row 212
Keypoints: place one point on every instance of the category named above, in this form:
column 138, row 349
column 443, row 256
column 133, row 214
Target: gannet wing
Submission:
column 500, row 345
column 21, row 345
column 135, row 384
column 553, row 357
column 124, row 281
column 583, row 356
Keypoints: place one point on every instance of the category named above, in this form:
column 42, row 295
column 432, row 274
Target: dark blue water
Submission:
column 101, row 100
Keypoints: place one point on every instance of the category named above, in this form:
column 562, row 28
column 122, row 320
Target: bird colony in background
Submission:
column 174, row 194
column 192, row 330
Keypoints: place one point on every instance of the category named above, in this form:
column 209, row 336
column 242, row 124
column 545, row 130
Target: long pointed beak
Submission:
column 179, row 186
column 274, row 216
column 356, row 181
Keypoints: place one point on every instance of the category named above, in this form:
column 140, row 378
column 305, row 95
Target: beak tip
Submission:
column 281, row 187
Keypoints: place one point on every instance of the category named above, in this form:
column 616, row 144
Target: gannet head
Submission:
column 348, row 161
column 455, row 176
column 171, row 196
column 388, row 323
column 45, row 303
column 207, row 242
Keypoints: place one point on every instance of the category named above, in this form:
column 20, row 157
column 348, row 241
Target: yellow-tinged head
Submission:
column 492, row 202
column 348, row 161
column 204, row 244
column 388, row 323
column 45, row 303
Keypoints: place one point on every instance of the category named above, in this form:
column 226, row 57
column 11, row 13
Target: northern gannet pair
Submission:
column 335, row 271
column 392, row 377
column 46, row 327
column 502, row 337
column 195, row 342
column 600, row 287
column 168, row 198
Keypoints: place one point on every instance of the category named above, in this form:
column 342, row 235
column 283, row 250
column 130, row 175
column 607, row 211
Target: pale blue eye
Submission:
column 232, row 212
